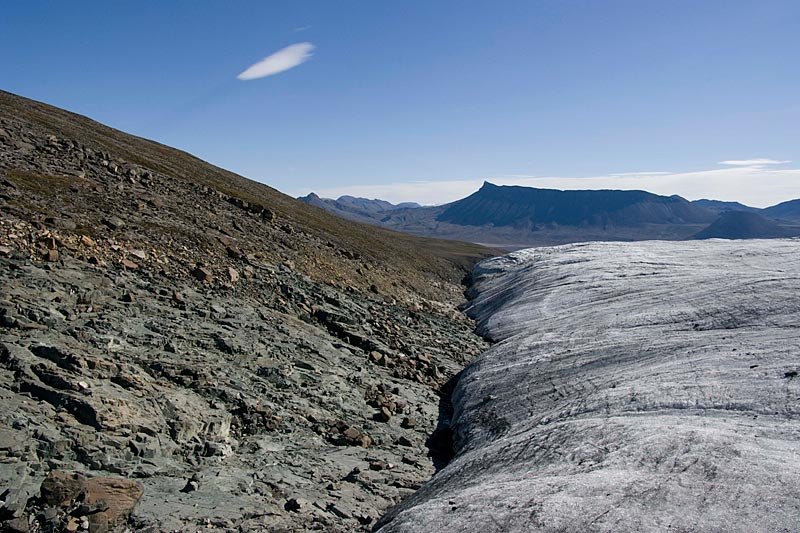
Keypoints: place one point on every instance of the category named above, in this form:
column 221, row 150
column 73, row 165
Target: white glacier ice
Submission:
column 651, row 386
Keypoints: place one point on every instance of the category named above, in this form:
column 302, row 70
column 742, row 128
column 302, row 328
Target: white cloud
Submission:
column 634, row 174
column 753, row 162
column 751, row 185
column 280, row 61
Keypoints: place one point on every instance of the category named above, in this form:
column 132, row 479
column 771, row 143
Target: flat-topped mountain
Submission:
column 533, row 208
column 201, row 351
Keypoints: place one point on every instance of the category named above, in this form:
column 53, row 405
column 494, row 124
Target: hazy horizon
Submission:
column 424, row 101
column 429, row 193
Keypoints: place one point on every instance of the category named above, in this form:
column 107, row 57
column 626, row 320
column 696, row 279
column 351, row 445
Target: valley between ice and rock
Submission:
column 632, row 386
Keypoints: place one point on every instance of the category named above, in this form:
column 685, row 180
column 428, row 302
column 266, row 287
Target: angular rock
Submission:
column 408, row 423
column 114, row 223
column 202, row 274
column 119, row 496
column 341, row 510
column 61, row 488
column 384, row 415
column 297, row 505
column 16, row 525
column 405, row 441
column 128, row 264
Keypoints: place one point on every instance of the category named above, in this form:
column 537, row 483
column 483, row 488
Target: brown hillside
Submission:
column 199, row 201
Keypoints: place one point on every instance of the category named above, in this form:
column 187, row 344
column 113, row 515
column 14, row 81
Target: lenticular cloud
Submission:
column 282, row 60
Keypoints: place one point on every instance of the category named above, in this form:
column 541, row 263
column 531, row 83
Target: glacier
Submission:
column 650, row 386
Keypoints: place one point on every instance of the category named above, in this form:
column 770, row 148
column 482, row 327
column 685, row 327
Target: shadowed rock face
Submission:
column 632, row 387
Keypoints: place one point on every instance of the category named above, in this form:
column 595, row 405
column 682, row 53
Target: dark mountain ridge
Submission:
column 354, row 208
column 529, row 207
column 374, row 204
column 720, row 206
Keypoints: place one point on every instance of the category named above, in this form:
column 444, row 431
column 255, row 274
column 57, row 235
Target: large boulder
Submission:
column 103, row 502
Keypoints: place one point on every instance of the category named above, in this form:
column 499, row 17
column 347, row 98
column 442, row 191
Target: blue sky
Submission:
column 420, row 100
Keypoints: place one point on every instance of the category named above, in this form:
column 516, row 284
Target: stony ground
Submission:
column 191, row 359
column 633, row 387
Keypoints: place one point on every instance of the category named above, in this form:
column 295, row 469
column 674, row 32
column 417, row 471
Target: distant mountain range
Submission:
column 515, row 217
column 358, row 209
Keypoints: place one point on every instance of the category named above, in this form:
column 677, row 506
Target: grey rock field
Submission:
column 183, row 349
column 649, row 386
column 226, row 409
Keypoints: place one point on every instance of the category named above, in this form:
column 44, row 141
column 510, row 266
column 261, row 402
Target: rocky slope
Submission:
column 178, row 336
column 633, row 387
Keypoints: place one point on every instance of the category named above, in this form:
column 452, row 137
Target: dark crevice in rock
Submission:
column 440, row 442
column 63, row 360
column 83, row 412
